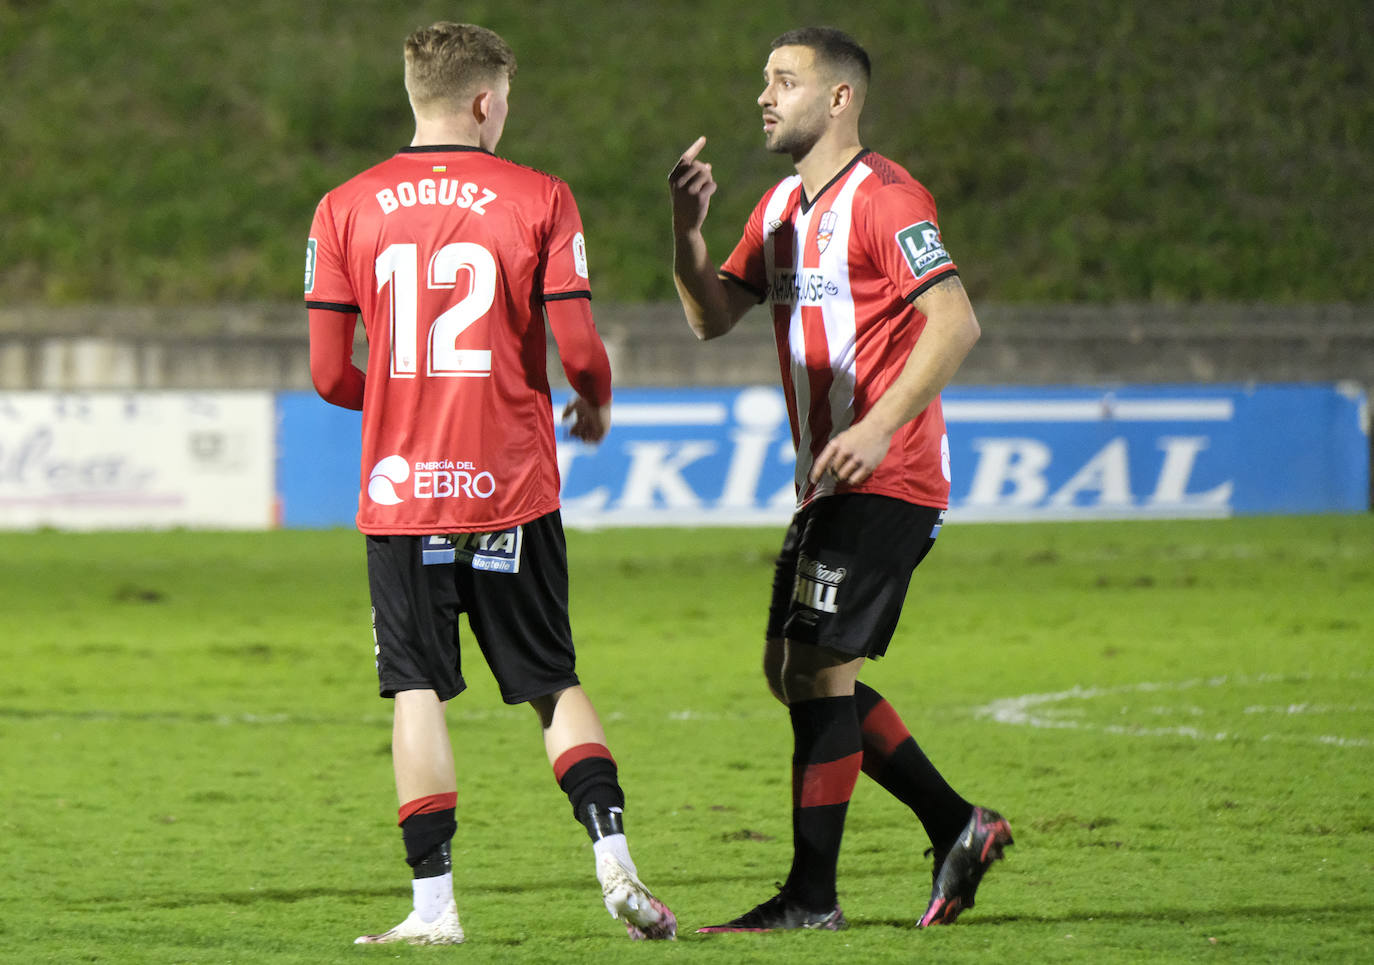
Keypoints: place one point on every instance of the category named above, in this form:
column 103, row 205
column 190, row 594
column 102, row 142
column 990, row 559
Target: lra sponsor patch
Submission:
column 922, row 248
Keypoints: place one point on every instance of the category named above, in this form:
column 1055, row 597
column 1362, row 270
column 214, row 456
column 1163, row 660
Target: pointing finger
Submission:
column 688, row 156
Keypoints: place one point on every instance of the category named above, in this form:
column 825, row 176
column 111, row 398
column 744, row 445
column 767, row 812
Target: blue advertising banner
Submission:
column 703, row 457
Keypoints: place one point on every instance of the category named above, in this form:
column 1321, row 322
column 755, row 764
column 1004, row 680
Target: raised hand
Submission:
column 691, row 186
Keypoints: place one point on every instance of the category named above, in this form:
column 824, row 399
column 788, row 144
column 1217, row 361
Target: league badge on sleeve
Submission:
column 310, row 265
column 580, row 255
column 922, row 248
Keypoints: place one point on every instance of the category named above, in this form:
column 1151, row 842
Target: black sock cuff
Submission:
column 593, row 789
column 424, row 834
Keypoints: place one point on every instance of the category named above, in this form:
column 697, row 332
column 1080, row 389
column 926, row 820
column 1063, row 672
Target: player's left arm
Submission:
column 586, row 365
column 950, row 332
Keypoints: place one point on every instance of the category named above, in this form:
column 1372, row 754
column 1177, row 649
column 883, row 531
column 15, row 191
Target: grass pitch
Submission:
column 1177, row 719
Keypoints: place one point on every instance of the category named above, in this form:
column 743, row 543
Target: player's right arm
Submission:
column 711, row 304
column 333, row 312
column 336, row 378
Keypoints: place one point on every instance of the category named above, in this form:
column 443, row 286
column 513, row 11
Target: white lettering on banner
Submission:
column 656, row 469
column 699, row 459
column 1180, row 455
column 1018, row 462
column 1012, row 473
column 759, row 414
column 746, row 466
column 1106, row 473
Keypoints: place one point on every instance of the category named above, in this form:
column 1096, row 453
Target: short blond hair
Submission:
column 449, row 60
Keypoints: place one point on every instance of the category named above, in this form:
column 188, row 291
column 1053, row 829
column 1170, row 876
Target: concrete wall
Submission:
column 265, row 346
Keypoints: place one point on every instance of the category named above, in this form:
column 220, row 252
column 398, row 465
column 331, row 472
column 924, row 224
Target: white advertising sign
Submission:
column 137, row 460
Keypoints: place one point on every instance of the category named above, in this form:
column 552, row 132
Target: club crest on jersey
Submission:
column 825, row 230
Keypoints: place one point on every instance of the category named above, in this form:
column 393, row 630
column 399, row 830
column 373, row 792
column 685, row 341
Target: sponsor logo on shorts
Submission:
column 493, row 552
column 817, row 586
column 429, row 479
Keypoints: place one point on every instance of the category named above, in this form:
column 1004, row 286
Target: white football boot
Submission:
column 628, row 900
column 444, row 930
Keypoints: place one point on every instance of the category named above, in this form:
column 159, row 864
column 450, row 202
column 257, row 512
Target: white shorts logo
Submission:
column 817, row 585
column 381, row 483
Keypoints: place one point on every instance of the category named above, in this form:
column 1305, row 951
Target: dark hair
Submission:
column 834, row 48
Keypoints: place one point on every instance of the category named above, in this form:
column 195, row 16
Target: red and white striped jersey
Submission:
column 450, row 255
column 841, row 271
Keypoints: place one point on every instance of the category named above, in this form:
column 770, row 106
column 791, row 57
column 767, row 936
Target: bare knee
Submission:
column 811, row 672
column 545, row 706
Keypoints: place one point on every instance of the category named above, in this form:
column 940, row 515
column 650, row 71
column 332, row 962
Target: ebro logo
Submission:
column 381, row 482
column 435, row 479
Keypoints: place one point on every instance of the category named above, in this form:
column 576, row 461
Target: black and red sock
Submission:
column 892, row 757
column 826, row 759
column 588, row 775
column 427, row 828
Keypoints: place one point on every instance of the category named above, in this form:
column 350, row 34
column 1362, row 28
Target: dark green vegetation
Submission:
column 194, row 765
column 173, row 152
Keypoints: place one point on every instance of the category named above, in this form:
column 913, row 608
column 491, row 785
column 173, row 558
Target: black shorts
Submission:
column 513, row 586
column 843, row 572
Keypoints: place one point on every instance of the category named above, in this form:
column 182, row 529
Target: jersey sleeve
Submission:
column 904, row 239
column 326, row 281
column 580, row 349
column 565, row 267
column 745, row 266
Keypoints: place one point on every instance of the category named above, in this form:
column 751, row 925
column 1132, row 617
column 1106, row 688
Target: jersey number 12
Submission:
column 399, row 267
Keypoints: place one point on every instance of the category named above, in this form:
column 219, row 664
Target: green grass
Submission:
column 173, row 152
column 194, row 765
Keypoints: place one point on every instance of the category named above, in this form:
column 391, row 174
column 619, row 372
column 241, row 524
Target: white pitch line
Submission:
column 1037, row 710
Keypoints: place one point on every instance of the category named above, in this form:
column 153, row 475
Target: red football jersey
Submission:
column 450, row 253
column 840, row 271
